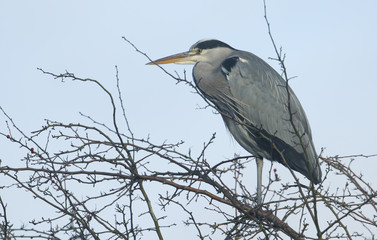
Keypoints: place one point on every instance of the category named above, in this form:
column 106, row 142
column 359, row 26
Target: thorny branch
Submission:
column 296, row 132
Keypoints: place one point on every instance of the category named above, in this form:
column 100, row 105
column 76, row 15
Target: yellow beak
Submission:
column 180, row 58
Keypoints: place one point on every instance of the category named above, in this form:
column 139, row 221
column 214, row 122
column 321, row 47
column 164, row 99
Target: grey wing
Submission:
column 262, row 99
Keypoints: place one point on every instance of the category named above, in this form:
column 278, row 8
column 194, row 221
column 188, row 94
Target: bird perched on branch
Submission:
column 258, row 107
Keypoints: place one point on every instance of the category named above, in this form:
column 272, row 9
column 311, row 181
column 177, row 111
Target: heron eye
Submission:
column 199, row 50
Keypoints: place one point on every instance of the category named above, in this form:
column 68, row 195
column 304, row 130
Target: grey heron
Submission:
column 258, row 107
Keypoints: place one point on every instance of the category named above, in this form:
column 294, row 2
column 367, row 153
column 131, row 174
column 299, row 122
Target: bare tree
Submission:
column 98, row 179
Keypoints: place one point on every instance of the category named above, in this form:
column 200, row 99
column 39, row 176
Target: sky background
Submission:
column 330, row 46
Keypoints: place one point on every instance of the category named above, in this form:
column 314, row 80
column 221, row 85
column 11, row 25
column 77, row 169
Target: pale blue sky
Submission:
column 330, row 47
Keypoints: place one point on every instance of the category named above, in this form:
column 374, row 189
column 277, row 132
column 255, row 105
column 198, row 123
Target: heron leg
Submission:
column 259, row 180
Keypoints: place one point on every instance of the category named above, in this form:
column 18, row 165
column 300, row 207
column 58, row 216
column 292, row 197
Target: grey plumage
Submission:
column 259, row 111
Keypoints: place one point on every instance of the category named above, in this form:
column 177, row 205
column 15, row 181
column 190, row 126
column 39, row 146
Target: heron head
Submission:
column 203, row 50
